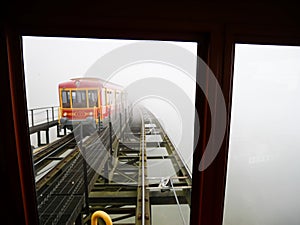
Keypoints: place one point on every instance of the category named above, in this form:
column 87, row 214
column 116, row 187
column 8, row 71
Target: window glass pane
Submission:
column 79, row 99
column 103, row 97
column 109, row 97
column 93, row 98
column 118, row 97
column 65, row 99
column 112, row 93
column 263, row 176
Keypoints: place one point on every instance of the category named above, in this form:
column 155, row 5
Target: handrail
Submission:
column 45, row 107
column 103, row 215
column 34, row 113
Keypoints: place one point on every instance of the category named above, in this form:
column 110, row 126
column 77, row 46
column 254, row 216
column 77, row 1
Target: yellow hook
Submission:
column 103, row 215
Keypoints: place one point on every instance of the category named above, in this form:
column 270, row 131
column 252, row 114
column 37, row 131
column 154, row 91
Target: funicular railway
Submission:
column 110, row 170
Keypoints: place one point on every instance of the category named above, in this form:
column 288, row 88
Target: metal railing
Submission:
column 41, row 115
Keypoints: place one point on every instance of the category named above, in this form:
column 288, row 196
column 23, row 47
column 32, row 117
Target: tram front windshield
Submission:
column 65, row 95
column 79, row 99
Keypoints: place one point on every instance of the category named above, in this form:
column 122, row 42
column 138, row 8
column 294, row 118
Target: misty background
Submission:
column 263, row 174
column 49, row 61
column 263, row 177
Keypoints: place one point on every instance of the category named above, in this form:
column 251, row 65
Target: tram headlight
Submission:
column 90, row 113
column 65, row 114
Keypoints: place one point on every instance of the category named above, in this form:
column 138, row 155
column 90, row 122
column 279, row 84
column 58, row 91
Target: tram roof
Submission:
column 88, row 82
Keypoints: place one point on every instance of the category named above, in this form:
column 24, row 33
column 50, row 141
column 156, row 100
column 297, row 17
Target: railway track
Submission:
column 60, row 193
column 135, row 186
column 44, row 155
column 119, row 185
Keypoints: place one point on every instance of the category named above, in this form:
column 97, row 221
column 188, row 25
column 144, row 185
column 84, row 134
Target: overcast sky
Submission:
column 49, row 61
column 263, row 173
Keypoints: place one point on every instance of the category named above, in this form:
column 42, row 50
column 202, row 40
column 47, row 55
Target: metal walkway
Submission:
column 131, row 168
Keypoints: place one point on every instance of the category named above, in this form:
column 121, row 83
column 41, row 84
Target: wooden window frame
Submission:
column 216, row 49
column 19, row 112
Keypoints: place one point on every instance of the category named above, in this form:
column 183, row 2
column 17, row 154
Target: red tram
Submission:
column 89, row 101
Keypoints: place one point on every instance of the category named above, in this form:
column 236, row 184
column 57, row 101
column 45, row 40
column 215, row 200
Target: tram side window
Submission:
column 112, row 97
column 79, row 99
column 93, row 98
column 109, row 97
column 103, row 97
column 65, row 95
column 118, row 100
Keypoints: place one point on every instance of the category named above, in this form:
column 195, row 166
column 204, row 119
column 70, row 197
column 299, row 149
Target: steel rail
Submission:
column 143, row 198
column 52, row 150
column 40, row 152
column 141, row 194
column 72, row 175
column 143, row 169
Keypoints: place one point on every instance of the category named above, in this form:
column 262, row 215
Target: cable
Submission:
column 177, row 201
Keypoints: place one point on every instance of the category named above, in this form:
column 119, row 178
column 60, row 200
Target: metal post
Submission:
column 52, row 113
column 106, row 169
column 47, row 136
column 47, row 116
column 125, row 117
column 86, row 188
column 110, row 132
column 110, row 138
column 47, row 130
column 120, row 124
column 106, row 173
column 125, row 121
column 99, row 123
column 57, row 131
column 39, row 138
column 32, row 118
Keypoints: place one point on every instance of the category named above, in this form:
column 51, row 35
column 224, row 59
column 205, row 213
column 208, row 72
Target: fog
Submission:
column 263, row 179
column 263, row 173
column 49, row 61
